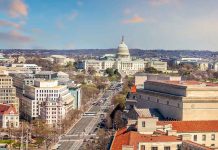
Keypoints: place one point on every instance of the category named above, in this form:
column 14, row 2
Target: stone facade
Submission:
column 181, row 100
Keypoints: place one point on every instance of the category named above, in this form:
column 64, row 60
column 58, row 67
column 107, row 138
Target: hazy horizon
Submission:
column 97, row 24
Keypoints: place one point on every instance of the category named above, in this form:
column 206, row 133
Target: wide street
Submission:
column 83, row 128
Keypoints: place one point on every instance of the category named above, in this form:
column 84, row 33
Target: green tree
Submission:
column 110, row 72
column 119, row 99
column 151, row 70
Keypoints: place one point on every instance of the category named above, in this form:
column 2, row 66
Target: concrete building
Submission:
column 180, row 100
column 8, row 91
column 20, row 80
column 203, row 66
column 201, row 132
column 63, row 78
column 159, row 65
column 61, row 60
column 41, row 91
column 188, row 60
column 33, row 67
column 3, row 59
column 48, row 75
column 123, row 62
column 53, row 112
column 9, row 116
column 8, row 70
column 145, row 135
column 75, row 91
column 140, row 78
column 215, row 66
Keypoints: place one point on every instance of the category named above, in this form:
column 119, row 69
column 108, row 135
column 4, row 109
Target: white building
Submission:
column 61, row 60
column 215, row 66
column 53, row 112
column 124, row 63
column 44, row 90
column 33, row 67
column 9, row 116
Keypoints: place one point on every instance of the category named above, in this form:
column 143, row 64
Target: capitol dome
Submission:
column 123, row 51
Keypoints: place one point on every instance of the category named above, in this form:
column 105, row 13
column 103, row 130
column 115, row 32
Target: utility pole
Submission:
column 21, row 141
column 27, row 138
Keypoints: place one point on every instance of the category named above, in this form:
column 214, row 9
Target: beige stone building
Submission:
column 180, row 100
column 140, row 78
column 8, row 91
column 202, row 132
column 145, row 134
column 9, row 116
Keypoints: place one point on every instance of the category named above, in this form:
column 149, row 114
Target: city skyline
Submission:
column 82, row 24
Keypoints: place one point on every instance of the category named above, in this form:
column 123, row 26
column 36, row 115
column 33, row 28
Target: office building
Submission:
column 41, row 91
column 8, row 91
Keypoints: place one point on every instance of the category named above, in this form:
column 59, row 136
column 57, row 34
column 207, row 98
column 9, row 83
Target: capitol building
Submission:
column 123, row 62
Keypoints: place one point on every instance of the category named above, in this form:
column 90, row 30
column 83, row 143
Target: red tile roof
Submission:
column 192, row 126
column 132, row 138
column 7, row 109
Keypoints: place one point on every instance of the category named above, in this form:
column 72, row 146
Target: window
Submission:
column 179, row 147
column 195, row 137
column 154, row 148
column 204, row 137
column 143, row 123
column 212, row 145
column 168, row 102
column 167, row 148
column 213, row 137
column 142, row 147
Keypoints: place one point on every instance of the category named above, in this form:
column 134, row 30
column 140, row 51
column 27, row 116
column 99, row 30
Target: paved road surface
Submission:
column 83, row 129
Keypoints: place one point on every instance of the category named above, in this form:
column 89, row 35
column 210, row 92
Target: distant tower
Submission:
column 123, row 51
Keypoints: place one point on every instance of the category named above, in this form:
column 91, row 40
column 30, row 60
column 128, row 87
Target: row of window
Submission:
column 156, row 148
column 47, row 91
column 204, row 137
column 168, row 103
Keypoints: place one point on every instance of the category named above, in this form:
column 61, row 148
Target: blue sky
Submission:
column 78, row 24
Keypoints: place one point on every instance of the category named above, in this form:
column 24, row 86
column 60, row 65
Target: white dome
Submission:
column 122, row 50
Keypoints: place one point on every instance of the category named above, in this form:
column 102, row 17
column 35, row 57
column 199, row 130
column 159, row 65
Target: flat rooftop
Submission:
column 188, row 83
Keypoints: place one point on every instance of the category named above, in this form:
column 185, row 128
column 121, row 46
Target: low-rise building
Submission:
column 62, row 77
column 203, row 65
column 33, row 67
column 41, row 91
column 201, row 132
column 48, row 75
column 140, row 78
column 145, row 134
column 61, row 60
column 9, row 116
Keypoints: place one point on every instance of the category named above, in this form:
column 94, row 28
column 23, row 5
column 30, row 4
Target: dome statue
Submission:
column 123, row 51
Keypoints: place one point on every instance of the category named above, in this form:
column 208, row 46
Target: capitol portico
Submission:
column 124, row 63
